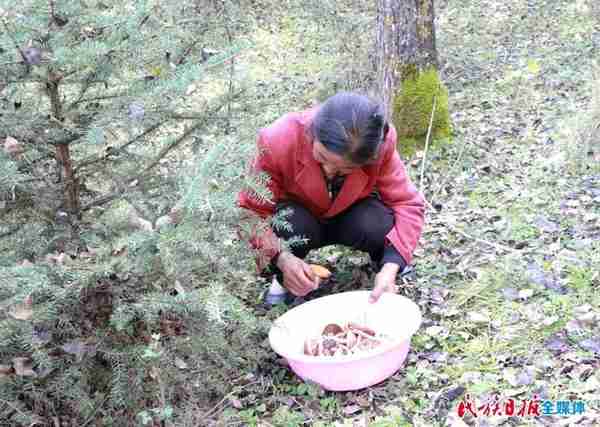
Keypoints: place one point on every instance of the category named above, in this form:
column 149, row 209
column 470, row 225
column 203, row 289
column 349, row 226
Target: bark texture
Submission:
column 71, row 202
column 408, row 77
column 405, row 42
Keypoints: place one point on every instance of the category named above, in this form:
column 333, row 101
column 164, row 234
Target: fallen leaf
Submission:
column 57, row 259
column 510, row 294
column 557, row 343
column 536, row 275
column 533, row 313
column 362, row 401
column 236, row 403
column 436, row 356
column 163, row 221
column 591, row 384
column 136, row 111
column 574, row 326
column 5, row 371
column 40, row 336
column 525, row 294
column 587, row 319
column 470, row 376
column 525, row 377
column 24, row 310
column 12, row 147
column 154, row 372
column 180, row 363
column 550, row 320
column 140, row 223
column 582, row 309
column 120, row 251
column 179, row 288
column 512, row 392
column 477, row 317
column 548, row 226
column 190, row 89
column 533, row 66
column 23, row 367
column 77, row 348
column 591, row 344
column 451, row 312
column 351, row 409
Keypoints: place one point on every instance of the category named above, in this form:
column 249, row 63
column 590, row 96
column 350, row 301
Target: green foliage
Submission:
column 412, row 108
column 121, row 272
column 284, row 417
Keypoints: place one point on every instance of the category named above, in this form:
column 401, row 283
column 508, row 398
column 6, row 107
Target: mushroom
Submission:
column 350, row 339
column 311, row 346
column 332, row 329
column 335, row 340
column 365, row 329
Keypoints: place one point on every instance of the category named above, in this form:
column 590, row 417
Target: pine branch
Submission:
column 10, row 35
column 115, row 151
column 201, row 123
column 102, row 200
column 10, row 232
column 96, row 98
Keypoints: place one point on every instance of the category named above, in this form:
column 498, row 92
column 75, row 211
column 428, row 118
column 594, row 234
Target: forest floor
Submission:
column 507, row 274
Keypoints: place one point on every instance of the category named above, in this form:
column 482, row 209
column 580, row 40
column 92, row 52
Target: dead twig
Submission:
column 450, row 173
column 211, row 411
column 427, row 144
column 485, row 242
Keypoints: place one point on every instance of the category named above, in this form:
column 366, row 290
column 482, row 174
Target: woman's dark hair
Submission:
column 351, row 125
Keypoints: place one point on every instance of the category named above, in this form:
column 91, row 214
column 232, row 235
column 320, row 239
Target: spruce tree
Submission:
column 120, row 267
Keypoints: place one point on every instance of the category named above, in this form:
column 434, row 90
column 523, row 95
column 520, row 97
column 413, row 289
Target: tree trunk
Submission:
column 71, row 200
column 405, row 42
column 406, row 51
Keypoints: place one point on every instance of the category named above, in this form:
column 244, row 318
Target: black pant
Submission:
column 362, row 226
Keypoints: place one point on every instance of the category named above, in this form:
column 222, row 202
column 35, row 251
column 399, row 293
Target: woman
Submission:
column 337, row 168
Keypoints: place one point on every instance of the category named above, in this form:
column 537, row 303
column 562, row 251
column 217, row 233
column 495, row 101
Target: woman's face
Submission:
column 332, row 164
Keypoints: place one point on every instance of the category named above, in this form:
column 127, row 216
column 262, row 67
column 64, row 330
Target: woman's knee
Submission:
column 371, row 221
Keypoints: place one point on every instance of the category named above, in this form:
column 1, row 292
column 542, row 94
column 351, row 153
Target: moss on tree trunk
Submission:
column 412, row 105
column 408, row 72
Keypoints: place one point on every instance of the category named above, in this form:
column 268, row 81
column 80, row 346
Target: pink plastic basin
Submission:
column 394, row 315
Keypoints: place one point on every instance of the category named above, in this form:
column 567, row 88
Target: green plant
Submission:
column 284, row 417
column 580, row 278
column 412, row 108
column 120, row 268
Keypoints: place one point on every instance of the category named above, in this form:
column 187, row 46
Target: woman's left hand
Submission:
column 385, row 281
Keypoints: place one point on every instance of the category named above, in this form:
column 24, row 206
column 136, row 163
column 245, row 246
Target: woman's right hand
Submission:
column 298, row 277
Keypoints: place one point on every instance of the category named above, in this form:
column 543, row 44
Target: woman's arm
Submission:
column 259, row 209
column 399, row 193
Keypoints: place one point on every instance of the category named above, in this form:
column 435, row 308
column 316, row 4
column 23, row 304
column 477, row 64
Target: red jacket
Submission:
column 285, row 154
